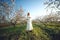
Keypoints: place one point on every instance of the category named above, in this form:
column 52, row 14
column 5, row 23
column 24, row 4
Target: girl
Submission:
column 29, row 23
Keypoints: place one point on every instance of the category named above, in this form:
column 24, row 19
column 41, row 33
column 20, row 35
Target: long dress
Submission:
column 29, row 24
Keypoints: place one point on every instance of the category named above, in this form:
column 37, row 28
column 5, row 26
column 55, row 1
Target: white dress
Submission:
column 29, row 24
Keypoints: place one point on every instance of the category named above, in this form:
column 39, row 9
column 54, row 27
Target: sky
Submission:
column 35, row 7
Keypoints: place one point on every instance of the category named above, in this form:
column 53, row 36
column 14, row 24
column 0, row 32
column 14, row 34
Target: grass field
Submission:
column 50, row 31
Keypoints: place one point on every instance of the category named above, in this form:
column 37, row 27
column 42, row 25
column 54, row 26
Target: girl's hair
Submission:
column 28, row 14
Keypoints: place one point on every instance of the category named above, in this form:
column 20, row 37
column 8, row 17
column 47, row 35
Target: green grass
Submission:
column 40, row 31
column 11, row 29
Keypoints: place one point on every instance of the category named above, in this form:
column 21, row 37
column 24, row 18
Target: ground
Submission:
column 50, row 31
